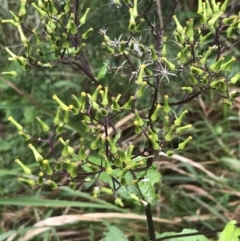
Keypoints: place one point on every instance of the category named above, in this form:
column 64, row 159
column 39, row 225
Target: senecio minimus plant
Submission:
column 124, row 170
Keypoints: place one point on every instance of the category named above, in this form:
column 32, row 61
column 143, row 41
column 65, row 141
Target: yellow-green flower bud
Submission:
column 106, row 190
column 200, row 10
column 73, row 109
column 153, row 134
column 188, row 89
column 83, row 19
column 214, row 19
column 203, row 16
column 22, row 10
column 25, row 168
column 166, row 107
column 154, row 56
column 71, row 168
column 59, row 129
column 40, row 11
column 47, row 167
column 96, row 192
column 10, row 73
column 67, row 150
column 108, row 167
column 141, row 88
column 128, row 153
column 30, row 182
column 43, row 125
column 168, row 136
column 71, row 26
column 128, row 104
column 228, row 65
column 155, row 114
column 168, row 63
column 66, row 116
column 134, row 197
column 216, row 66
column 178, row 121
column 135, row 11
column 227, row 102
column 36, row 154
column 25, row 135
column 170, row 153
column 155, row 145
column 138, row 28
column 132, row 23
column 140, row 74
column 137, row 127
column 115, row 105
column 208, row 8
column 67, row 6
column 118, row 202
column 59, row 166
column 166, row 123
column 183, row 128
column 113, row 148
column 63, row 106
column 183, row 144
column 86, row 34
column 215, row 6
column 138, row 118
column 40, row 178
column 235, row 78
column 52, row 184
column 204, row 59
column 95, row 94
column 195, row 70
column 109, row 49
column 178, row 25
column 96, row 143
column 229, row 20
column 224, row 5
column 104, row 95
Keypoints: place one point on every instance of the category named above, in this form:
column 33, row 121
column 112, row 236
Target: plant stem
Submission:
column 151, row 230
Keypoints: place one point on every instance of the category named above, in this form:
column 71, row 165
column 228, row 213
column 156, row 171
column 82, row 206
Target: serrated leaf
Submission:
column 230, row 232
column 146, row 185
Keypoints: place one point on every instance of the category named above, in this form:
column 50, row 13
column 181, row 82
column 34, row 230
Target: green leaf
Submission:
column 230, row 232
column 103, row 70
column 114, row 234
column 29, row 114
column 146, row 185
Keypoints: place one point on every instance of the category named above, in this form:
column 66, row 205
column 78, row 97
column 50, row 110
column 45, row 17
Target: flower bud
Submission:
column 59, row 129
column 168, row 63
column 155, row 145
column 82, row 20
column 140, row 89
column 73, row 109
column 216, row 66
column 52, row 184
column 59, row 166
column 166, row 107
column 196, row 70
column 71, row 168
column 235, row 78
column 183, row 128
column 214, row 19
column 135, row 11
column 40, row 11
column 166, row 123
column 118, row 202
column 204, row 59
column 67, row 150
column 155, row 114
column 140, row 74
column 188, row 89
column 44, row 126
column 132, row 23
column 106, row 190
column 183, row 144
column 96, row 192
column 178, row 121
column 96, row 143
column 203, row 16
column 154, row 56
column 30, row 182
column 25, row 135
column 109, row 49
column 168, row 136
column 128, row 104
column 115, row 105
column 25, row 168
column 36, row 154
column 138, row 118
column 10, row 73
column 224, row 5
column 178, row 25
column 40, row 178
column 228, row 65
column 200, row 10
column 108, row 167
column 86, row 34
column 208, row 8
column 153, row 134
column 170, row 153
column 47, row 167
column 63, row 106
column 71, row 26
column 138, row 28
column 66, row 116
column 113, row 148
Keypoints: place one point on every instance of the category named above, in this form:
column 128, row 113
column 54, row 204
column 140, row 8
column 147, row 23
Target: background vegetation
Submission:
column 200, row 185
